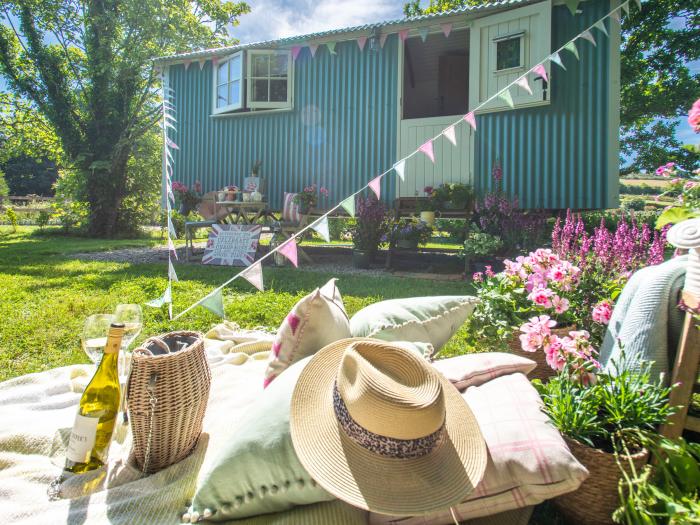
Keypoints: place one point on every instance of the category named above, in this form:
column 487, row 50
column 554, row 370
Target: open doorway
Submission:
column 436, row 75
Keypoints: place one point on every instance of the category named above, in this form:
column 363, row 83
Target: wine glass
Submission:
column 130, row 315
column 94, row 335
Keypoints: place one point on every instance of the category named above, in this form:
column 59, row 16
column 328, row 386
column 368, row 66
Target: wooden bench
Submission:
column 410, row 206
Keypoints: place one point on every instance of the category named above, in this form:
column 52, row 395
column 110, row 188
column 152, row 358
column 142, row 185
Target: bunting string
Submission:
column 288, row 248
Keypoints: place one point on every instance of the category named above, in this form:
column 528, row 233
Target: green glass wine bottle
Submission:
column 97, row 413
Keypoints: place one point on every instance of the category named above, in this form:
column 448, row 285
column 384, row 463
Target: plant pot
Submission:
column 597, row 498
column 361, row 259
column 230, row 195
column 185, row 209
column 407, row 244
column 542, row 371
column 246, row 196
column 221, row 196
column 256, row 196
column 428, row 217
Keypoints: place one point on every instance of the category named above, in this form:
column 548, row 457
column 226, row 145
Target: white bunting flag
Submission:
column 187, row 64
column 171, row 144
column 166, row 298
column 423, row 33
column 171, row 229
column 600, row 25
column 469, row 117
column 254, row 275
column 313, row 48
column 169, row 191
column 554, row 57
column 449, row 134
column 626, row 7
column 446, row 29
column 382, row 39
column 349, row 205
column 376, row 186
column 523, row 83
column 400, row 168
column 171, row 272
column 214, row 302
column 615, row 15
column 587, row 35
column 321, row 227
column 571, row 47
column 169, row 116
column 507, row 98
column 331, row 47
column 171, row 248
column 202, row 61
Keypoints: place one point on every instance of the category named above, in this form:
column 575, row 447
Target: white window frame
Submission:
column 520, row 35
column 230, row 107
column 251, row 104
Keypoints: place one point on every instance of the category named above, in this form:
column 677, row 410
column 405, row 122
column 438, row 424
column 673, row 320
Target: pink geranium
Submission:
column 541, row 297
column 694, row 116
column 602, row 312
column 560, row 304
column 536, row 332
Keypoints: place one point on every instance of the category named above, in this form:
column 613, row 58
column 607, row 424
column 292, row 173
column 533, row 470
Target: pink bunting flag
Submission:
column 469, row 117
column 171, row 248
column 214, row 61
column 427, row 149
column 382, row 39
column 449, row 134
column 540, row 71
column 522, row 82
column 376, row 186
column 171, row 144
column 187, row 64
column 361, row 41
column 254, row 275
column 289, row 250
column 295, row 52
column 403, row 35
column 313, row 48
column 446, row 29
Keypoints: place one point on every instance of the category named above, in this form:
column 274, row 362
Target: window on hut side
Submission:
column 436, row 75
column 509, row 51
column 228, row 92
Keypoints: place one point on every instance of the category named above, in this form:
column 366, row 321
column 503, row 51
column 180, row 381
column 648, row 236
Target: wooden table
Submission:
column 244, row 212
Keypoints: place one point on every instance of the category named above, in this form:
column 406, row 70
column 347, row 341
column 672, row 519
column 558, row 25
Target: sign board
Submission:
column 232, row 244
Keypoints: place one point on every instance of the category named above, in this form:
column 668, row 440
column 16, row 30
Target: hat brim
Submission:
column 400, row 487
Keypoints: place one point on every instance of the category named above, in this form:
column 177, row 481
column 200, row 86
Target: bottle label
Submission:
column 82, row 438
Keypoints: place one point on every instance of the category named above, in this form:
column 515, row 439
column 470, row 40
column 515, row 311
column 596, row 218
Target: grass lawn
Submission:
column 45, row 295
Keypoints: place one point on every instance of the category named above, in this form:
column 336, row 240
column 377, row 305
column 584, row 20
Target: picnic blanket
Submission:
column 646, row 321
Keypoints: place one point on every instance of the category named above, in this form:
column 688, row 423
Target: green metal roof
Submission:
column 322, row 36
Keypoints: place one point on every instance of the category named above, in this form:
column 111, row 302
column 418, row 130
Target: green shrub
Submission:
column 340, row 228
column 640, row 189
column 634, row 204
column 12, row 218
column 42, row 219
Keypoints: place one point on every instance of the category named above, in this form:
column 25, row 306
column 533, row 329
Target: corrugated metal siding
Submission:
column 556, row 156
column 341, row 132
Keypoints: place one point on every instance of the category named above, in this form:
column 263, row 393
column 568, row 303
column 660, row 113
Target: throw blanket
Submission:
column 646, row 319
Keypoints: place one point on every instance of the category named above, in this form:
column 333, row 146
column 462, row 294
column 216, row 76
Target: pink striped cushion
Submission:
column 290, row 209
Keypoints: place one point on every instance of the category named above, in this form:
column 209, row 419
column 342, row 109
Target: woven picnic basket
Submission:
column 597, row 498
column 167, row 396
column 542, row 371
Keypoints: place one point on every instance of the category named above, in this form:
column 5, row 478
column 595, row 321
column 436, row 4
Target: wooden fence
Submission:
column 26, row 203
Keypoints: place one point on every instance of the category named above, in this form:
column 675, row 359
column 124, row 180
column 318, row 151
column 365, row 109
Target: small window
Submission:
column 509, row 52
column 228, row 84
column 269, row 79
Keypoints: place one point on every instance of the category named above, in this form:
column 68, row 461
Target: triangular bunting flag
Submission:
column 171, row 248
column 523, row 83
column 349, row 205
column 600, row 25
column 403, row 35
column 446, row 29
column 626, row 7
column 639, row 4
column 587, row 35
column 400, row 168
column 449, row 134
column 295, row 52
column 214, row 302
column 423, row 32
column 554, row 57
column 361, row 41
column 427, row 149
column 169, row 116
column 168, row 295
column 171, row 144
column 168, row 154
column 166, row 298
column 202, row 61
column 571, row 46
column 572, row 5
column 313, row 48
column 321, row 227
column 171, row 272
column 289, row 250
column 469, row 117
column 187, row 64
column 382, row 39
column 541, row 71
column 376, row 186
column 214, row 61
column 331, row 47
column 254, row 275
column 506, row 97
column 171, row 229
column 615, row 15
column 169, row 191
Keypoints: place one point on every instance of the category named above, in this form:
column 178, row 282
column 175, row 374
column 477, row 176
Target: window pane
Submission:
column 260, row 65
column 508, row 53
column 221, row 99
column 234, row 92
column 235, row 68
column 278, row 90
column 278, row 66
column 259, row 93
column 222, row 75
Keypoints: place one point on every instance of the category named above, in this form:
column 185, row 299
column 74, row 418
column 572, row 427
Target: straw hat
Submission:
column 378, row 427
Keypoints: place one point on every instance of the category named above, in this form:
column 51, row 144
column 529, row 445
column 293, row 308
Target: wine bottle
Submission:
column 94, row 423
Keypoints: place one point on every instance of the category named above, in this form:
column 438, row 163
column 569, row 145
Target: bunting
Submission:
column 403, row 35
column 171, row 272
column 639, row 4
column 331, row 48
column 523, row 83
column 295, row 52
column 571, row 47
column 349, row 205
column 554, row 57
column 615, row 15
column 171, row 248
column 600, row 25
column 166, row 298
column 289, row 250
column 626, row 8
column 446, row 29
column 427, row 149
column 587, row 35
column 171, row 144
column 471, row 120
column 572, row 5
column 187, row 64
column 214, row 302
column 449, row 134
column 376, row 186
column 382, row 39
column 321, row 227
column 506, row 97
column 254, row 275
column 540, row 71
column 423, row 33
column 361, row 41
column 400, row 168
column 202, row 61
column 313, row 48
column 171, row 228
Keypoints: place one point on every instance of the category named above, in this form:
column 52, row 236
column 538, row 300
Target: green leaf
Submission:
column 674, row 216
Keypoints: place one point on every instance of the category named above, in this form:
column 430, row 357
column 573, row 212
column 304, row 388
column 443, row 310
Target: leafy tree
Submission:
column 658, row 43
column 86, row 69
column 29, row 176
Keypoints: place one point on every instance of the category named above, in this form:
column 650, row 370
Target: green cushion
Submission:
column 258, row 472
column 422, row 319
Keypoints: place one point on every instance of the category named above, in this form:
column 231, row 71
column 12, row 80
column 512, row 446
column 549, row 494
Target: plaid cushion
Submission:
column 476, row 369
column 290, row 209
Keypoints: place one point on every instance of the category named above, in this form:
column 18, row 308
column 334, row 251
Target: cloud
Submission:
column 271, row 19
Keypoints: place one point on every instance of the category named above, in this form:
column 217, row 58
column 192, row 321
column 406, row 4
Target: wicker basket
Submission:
column 597, row 498
column 167, row 396
column 542, row 371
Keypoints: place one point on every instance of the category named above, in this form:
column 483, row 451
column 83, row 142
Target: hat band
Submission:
column 383, row 445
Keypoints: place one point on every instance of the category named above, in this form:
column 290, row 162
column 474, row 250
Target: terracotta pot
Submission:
column 428, row 217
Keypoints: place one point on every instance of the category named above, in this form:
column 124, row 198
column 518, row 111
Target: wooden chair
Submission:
column 208, row 209
column 685, row 374
column 293, row 221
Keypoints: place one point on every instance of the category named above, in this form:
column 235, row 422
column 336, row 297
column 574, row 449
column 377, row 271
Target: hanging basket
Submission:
column 167, row 396
column 597, row 498
column 542, row 371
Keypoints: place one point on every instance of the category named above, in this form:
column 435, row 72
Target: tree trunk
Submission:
column 105, row 194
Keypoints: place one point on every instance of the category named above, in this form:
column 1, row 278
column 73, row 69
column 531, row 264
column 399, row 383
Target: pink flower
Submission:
column 541, row 297
column 478, row 277
column 602, row 312
column 324, row 191
column 694, row 116
column 560, row 304
column 554, row 357
column 489, row 272
column 689, row 185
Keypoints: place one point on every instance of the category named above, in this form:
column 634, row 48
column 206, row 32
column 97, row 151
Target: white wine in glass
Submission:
column 130, row 316
column 94, row 335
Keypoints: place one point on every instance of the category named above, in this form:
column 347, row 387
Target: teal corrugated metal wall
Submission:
column 341, row 132
column 556, row 156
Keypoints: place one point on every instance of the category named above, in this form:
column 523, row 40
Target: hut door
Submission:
column 435, row 94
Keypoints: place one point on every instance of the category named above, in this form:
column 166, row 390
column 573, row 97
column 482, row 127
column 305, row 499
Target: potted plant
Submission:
column 231, row 193
column 308, row 198
column 255, row 172
column 454, row 196
column 478, row 244
column 409, row 233
column 601, row 418
column 427, row 207
column 370, row 227
column 189, row 198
